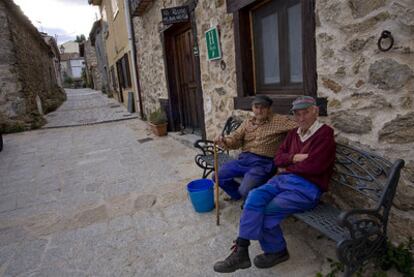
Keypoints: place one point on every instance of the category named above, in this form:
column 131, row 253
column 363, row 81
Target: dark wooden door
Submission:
column 186, row 84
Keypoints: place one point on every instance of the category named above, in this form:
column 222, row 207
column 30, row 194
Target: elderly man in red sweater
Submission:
column 305, row 164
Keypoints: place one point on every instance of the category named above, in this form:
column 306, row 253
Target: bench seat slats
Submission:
column 324, row 218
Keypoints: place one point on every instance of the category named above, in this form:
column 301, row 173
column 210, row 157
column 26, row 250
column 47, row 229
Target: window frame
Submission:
column 115, row 8
column 245, row 59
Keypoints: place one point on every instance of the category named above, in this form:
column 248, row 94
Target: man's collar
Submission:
column 311, row 130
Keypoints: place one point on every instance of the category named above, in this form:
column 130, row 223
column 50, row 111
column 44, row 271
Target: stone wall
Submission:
column 94, row 74
column 218, row 77
column 11, row 97
column 102, row 62
column 28, row 85
column 370, row 92
column 219, row 85
column 150, row 55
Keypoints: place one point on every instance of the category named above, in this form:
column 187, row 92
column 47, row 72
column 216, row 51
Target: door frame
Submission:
column 167, row 37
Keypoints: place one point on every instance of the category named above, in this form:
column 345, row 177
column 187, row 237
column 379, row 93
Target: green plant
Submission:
column 157, row 117
column 399, row 257
column 68, row 80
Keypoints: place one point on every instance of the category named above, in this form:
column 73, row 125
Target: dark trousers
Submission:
column 254, row 169
column 269, row 204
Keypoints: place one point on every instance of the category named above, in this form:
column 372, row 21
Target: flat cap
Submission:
column 263, row 100
column 303, row 102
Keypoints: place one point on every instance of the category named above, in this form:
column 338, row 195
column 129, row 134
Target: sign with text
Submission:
column 175, row 15
column 213, row 44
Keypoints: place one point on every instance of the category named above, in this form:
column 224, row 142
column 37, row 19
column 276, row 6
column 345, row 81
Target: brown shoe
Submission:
column 267, row 260
column 238, row 259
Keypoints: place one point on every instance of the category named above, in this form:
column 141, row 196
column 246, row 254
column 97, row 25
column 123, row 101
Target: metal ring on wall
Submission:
column 385, row 35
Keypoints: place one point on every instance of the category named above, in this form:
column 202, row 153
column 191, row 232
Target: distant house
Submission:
column 72, row 65
column 69, row 47
column 51, row 41
column 96, row 58
column 28, row 83
column 119, row 50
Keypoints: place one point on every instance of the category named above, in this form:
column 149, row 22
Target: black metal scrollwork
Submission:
column 385, row 35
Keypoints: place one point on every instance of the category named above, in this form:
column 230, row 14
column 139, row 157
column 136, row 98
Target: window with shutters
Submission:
column 275, row 50
column 122, row 66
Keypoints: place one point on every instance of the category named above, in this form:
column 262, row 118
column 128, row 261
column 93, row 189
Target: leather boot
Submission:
column 267, row 260
column 238, row 259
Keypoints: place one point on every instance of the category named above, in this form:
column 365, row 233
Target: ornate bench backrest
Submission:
column 367, row 173
column 232, row 123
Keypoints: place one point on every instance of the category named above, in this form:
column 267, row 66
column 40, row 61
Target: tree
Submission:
column 80, row 38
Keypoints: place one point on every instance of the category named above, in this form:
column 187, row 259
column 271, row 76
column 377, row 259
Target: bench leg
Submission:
column 355, row 253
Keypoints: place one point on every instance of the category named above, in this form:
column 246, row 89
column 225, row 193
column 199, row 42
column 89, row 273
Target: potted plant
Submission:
column 158, row 122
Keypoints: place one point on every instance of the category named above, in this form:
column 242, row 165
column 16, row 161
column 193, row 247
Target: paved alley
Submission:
column 110, row 200
column 87, row 106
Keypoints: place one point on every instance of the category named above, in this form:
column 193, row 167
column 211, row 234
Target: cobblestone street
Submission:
column 86, row 106
column 110, row 200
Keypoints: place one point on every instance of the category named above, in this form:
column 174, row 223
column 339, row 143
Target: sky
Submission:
column 62, row 18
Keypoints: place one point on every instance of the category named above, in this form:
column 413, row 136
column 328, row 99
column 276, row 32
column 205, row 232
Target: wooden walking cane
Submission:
column 217, row 185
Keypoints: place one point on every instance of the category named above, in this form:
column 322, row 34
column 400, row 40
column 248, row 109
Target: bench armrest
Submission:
column 207, row 147
column 361, row 222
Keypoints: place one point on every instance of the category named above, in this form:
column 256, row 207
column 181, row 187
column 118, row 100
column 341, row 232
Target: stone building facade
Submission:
column 370, row 92
column 28, row 84
column 91, row 64
column 51, row 41
column 367, row 93
column 97, row 45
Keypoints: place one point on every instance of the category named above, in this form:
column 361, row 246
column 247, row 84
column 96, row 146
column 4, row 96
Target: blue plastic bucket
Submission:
column 201, row 194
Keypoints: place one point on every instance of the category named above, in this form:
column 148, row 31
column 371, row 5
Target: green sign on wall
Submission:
column 213, row 44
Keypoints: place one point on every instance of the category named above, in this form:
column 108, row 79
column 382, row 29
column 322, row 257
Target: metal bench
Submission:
column 205, row 159
column 360, row 234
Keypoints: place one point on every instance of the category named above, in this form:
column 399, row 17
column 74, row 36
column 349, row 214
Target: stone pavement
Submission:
column 87, row 106
column 110, row 200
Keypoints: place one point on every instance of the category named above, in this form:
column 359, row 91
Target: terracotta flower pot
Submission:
column 159, row 129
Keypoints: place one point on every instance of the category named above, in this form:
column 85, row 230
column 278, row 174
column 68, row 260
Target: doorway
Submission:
column 184, row 92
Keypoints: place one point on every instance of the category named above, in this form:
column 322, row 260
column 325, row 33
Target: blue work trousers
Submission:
column 269, row 204
column 254, row 169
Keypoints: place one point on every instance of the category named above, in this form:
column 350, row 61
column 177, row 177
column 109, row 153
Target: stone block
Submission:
column 389, row 74
column 357, row 44
column 399, row 130
column 368, row 101
column 351, row 122
column 359, row 83
column 332, row 85
column 406, row 102
column 357, row 65
column 361, row 8
column 341, row 71
column 366, row 24
column 404, row 12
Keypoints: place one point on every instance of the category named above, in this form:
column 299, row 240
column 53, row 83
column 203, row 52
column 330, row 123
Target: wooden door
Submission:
column 186, row 84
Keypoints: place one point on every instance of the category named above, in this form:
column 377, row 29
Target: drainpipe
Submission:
column 131, row 42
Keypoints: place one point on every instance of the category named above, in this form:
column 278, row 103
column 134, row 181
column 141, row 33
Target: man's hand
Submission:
column 220, row 141
column 280, row 170
column 300, row 157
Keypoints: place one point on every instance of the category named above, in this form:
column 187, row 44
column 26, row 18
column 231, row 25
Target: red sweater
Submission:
column 318, row 167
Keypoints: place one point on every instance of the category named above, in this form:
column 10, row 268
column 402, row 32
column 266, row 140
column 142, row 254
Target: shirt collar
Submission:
column 312, row 129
